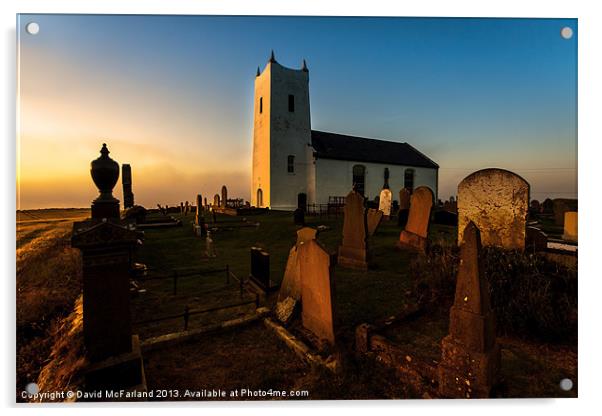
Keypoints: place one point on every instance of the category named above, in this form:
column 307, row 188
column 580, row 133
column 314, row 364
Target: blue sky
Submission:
column 173, row 96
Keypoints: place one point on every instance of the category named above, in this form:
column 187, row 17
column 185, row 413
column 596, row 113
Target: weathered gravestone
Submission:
column 497, row 201
column 199, row 209
column 216, row 201
column 384, row 202
column 373, row 220
column 126, row 180
column 414, row 236
column 353, row 252
column 224, row 196
column 106, row 246
column 470, row 355
column 317, row 291
column 186, row 208
column 182, row 208
column 404, row 207
column 570, row 226
column 291, row 282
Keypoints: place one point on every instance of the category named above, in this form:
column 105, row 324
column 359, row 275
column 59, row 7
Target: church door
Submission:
column 259, row 198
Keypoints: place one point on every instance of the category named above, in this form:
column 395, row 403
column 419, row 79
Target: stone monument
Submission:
column 470, row 355
column 126, row 180
column 113, row 352
column 224, row 200
column 353, row 252
column 415, row 234
column 404, row 207
column 497, row 201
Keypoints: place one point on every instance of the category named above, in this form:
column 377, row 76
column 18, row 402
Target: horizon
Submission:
column 173, row 97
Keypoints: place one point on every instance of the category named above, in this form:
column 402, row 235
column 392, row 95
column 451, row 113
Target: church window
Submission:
column 359, row 178
column 291, row 103
column 290, row 164
column 260, row 105
column 408, row 179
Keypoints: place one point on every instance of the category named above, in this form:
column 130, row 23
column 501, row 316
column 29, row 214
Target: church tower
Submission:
column 282, row 154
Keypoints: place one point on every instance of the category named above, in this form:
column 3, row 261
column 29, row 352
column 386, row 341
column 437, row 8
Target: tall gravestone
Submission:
column 260, row 270
column 497, row 201
column 291, row 282
column 317, row 289
column 216, row 201
column 106, row 246
column 126, row 180
column 404, row 207
column 386, row 198
column 470, row 355
column 224, row 196
column 414, row 236
column 353, row 251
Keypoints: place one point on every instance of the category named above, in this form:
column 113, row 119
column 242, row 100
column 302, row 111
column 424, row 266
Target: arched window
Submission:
column 359, row 178
column 290, row 164
column 259, row 198
column 408, row 179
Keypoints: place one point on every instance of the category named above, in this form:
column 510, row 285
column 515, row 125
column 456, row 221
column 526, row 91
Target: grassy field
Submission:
column 49, row 281
column 47, row 285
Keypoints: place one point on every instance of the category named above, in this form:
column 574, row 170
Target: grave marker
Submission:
column 354, row 248
column 497, row 201
column 470, row 355
column 414, row 236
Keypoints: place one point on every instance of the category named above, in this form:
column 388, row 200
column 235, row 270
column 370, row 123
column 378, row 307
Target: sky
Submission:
column 173, row 97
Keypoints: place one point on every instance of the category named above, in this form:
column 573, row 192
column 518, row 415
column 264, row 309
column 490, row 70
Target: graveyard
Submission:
column 265, row 302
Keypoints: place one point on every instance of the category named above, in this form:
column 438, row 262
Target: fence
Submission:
column 179, row 273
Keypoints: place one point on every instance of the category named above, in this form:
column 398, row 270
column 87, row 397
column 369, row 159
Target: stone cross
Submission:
column 353, row 251
column 317, row 275
column 497, row 201
column 414, row 236
column 470, row 355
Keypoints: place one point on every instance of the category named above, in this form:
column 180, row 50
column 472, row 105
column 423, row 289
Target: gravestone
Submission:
column 547, row 207
column 384, row 203
column 186, row 208
column 470, row 355
column 224, row 199
column 126, row 180
column 536, row 240
column 199, row 209
column 404, row 207
column 291, row 282
column 209, row 246
column 317, row 289
column 216, row 201
column 260, row 270
column 353, row 252
column 414, row 236
column 205, row 202
column 560, row 206
column 497, row 201
column 106, row 245
column 373, row 220
column 182, row 208
column 299, row 216
column 570, row 226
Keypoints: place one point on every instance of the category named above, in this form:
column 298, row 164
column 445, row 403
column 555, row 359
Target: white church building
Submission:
column 289, row 158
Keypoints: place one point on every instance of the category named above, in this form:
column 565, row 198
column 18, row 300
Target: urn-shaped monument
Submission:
column 105, row 173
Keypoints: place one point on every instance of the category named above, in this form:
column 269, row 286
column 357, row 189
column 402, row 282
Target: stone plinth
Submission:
column 570, row 226
column 470, row 356
column 497, row 201
column 106, row 255
column 353, row 252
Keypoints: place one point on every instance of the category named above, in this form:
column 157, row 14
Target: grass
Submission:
column 251, row 357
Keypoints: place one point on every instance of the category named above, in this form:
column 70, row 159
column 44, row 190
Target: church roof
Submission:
column 361, row 149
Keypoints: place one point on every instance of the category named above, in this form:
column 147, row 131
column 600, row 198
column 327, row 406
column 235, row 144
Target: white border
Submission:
column 590, row 72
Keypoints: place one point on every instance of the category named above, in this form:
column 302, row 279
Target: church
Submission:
column 292, row 162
